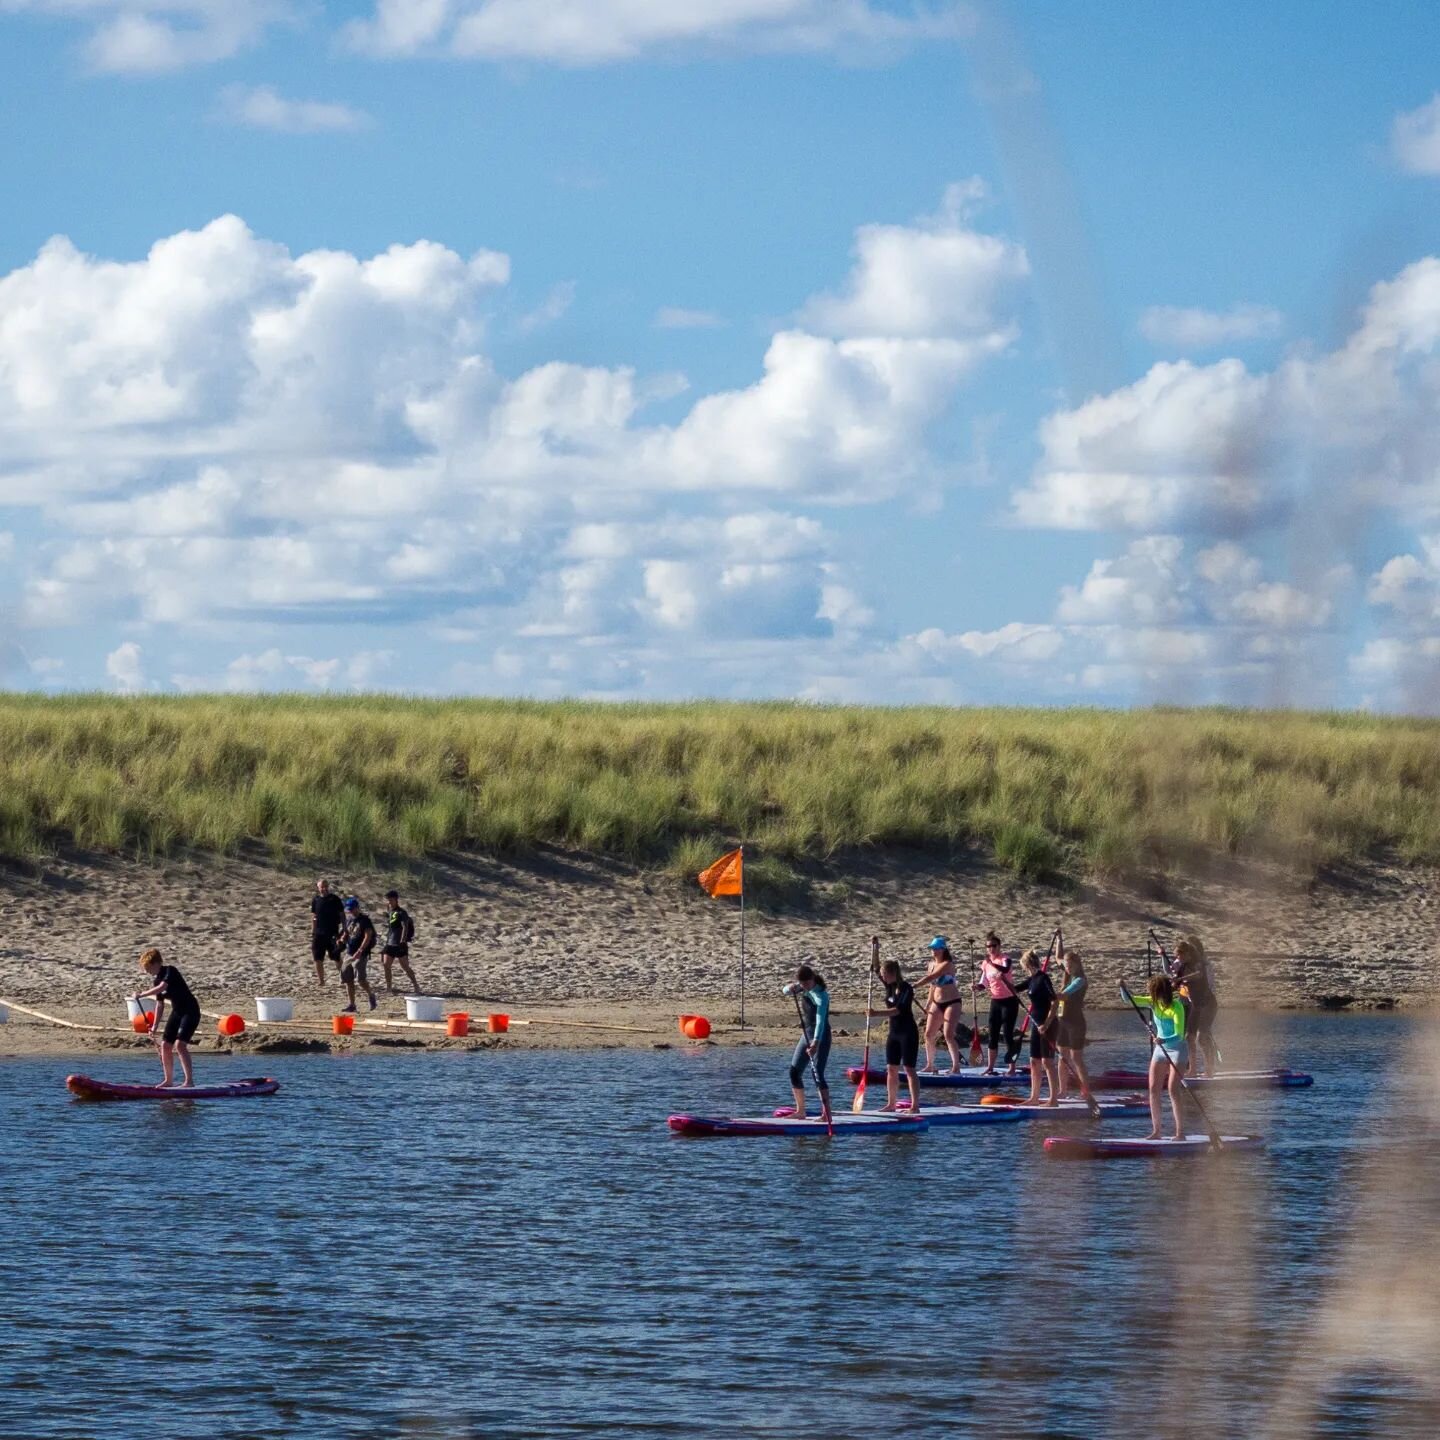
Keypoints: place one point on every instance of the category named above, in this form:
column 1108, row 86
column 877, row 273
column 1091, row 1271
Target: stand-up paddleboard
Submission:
column 870, row 1124
column 1226, row 1079
column 1074, row 1147
column 968, row 1075
column 939, row 1114
column 1066, row 1109
column 84, row 1088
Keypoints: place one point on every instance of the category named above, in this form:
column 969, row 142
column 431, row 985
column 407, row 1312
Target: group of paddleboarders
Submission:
column 1180, row 1003
column 343, row 932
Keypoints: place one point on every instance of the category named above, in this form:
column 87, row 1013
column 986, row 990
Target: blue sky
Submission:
column 839, row 349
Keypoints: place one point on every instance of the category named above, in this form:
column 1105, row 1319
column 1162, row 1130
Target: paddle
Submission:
column 800, row 1015
column 1145, row 1020
column 858, row 1103
column 975, row 1050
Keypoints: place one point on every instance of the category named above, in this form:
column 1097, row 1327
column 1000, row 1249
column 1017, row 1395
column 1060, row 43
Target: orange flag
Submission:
column 726, row 876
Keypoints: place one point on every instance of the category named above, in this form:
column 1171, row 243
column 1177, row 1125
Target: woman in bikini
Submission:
column 941, row 1015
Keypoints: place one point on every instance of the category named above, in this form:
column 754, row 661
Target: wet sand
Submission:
column 561, row 936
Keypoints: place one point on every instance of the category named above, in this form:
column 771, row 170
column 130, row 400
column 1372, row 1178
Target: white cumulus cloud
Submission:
column 599, row 32
column 1415, row 139
column 124, row 668
column 262, row 107
column 1186, row 328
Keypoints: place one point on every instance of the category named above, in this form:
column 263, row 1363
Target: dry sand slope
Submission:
column 610, row 941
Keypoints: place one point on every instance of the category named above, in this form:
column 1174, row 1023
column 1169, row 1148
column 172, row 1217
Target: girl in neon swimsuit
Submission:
column 1170, row 1053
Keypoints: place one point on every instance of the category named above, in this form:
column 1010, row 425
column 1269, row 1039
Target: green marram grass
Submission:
column 1054, row 793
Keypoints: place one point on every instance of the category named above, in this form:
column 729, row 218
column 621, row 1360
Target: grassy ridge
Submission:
column 1052, row 791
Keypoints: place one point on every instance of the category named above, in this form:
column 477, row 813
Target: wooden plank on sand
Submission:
column 55, row 1019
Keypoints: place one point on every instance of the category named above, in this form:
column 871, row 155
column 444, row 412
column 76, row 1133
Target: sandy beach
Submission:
column 568, row 937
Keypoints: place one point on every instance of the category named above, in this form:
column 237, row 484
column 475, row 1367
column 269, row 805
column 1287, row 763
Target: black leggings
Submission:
column 800, row 1063
column 1003, row 1015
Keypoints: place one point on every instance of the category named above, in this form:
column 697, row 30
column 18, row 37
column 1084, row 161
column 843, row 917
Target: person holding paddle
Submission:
column 1070, row 1027
column 902, row 1043
column 1004, row 1003
column 1191, row 972
column 1041, row 993
column 184, row 1016
column 941, row 1016
column 1170, row 1052
column 813, row 1050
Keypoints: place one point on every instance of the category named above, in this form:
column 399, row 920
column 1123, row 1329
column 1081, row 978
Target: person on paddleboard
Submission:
column 902, row 1041
column 184, row 1015
column 1190, row 972
column 359, row 942
column 1169, row 1054
column 1004, row 1003
column 813, row 1049
column 327, row 927
column 1070, row 1027
column 1041, row 996
column 399, row 932
column 945, row 1005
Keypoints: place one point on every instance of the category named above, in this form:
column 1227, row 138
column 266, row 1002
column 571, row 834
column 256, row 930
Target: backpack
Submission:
column 407, row 933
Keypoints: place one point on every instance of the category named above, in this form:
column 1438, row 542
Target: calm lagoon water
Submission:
column 453, row 1245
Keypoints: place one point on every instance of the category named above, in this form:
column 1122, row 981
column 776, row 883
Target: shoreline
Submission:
column 566, row 936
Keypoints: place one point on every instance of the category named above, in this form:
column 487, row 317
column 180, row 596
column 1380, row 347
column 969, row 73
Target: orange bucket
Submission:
column 457, row 1024
column 343, row 1024
column 229, row 1025
column 497, row 1024
column 697, row 1027
column 684, row 1021
column 141, row 1024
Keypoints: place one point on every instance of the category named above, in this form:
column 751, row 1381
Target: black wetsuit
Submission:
column 1042, row 998
column 902, row 1043
column 184, row 1017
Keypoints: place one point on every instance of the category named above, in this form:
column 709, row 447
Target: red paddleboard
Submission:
column 84, row 1088
column 1074, row 1147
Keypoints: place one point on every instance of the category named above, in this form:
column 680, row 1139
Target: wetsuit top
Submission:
column 360, row 934
column 1169, row 1019
column 1042, row 996
column 900, row 997
column 815, row 1012
column 177, row 992
column 329, row 913
column 1196, row 981
column 398, row 928
column 1072, row 997
column 993, row 978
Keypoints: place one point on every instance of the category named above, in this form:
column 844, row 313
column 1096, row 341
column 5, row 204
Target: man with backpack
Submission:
column 399, row 932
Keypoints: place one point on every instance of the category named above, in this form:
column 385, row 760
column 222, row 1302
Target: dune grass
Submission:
column 1053, row 792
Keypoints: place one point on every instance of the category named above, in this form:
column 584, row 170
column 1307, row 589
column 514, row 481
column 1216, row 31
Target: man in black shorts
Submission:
column 399, row 932
column 327, row 927
column 359, row 942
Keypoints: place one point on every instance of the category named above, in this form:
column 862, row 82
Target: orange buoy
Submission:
column 684, row 1021
column 231, row 1025
column 457, row 1023
column 497, row 1024
column 141, row 1024
column 697, row 1027
column 342, row 1024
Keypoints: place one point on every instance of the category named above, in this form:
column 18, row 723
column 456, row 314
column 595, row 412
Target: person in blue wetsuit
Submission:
column 808, row 988
column 1169, row 1054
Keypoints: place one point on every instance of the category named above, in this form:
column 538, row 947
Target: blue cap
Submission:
column 352, row 903
column 938, row 943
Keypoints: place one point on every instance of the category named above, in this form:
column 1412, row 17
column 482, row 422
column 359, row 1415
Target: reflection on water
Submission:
column 481, row 1245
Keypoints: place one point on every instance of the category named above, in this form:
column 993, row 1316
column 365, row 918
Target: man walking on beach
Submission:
column 399, row 932
column 359, row 942
column 327, row 923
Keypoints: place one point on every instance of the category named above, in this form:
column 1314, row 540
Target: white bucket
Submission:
column 147, row 1005
column 273, row 1007
column 422, row 1007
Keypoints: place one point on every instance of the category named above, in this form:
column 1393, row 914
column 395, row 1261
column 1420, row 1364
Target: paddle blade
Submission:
column 975, row 1046
column 858, row 1103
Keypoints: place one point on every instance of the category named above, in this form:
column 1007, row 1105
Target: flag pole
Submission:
column 742, row 937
